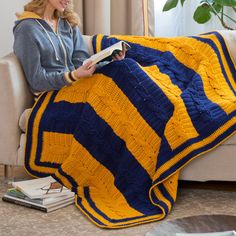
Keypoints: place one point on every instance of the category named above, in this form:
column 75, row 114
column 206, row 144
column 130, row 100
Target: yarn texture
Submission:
column 119, row 138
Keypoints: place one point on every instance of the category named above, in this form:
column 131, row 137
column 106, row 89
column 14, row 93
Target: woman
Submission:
column 50, row 46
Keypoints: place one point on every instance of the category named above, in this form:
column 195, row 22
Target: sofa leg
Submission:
column 5, row 173
column 9, row 174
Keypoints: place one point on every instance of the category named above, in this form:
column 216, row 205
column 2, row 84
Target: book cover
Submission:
column 37, row 206
column 42, row 201
column 107, row 53
column 41, row 188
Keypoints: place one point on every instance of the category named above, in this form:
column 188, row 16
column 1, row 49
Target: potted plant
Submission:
column 206, row 9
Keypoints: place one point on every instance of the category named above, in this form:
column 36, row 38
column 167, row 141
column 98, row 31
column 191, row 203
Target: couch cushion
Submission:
column 23, row 119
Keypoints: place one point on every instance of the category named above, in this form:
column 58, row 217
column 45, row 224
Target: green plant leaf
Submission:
column 229, row 3
column 217, row 7
column 182, row 2
column 170, row 4
column 211, row 2
column 202, row 14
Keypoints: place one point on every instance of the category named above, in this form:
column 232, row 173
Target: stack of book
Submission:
column 43, row 194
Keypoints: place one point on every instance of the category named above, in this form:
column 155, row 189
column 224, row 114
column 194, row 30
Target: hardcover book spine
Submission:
column 26, row 204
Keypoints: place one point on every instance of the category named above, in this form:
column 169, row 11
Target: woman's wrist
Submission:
column 74, row 75
column 71, row 77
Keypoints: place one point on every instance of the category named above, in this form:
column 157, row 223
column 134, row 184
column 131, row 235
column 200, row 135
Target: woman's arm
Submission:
column 81, row 51
column 28, row 53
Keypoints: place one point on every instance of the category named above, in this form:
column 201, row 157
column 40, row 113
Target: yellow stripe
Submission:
column 179, row 128
column 90, row 210
column 29, row 15
column 113, row 225
column 77, row 92
column 201, row 58
column 89, row 172
column 160, row 197
column 171, row 185
column 86, row 205
column 66, row 75
column 99, row 42
column 56, row 147
column 145, row 17
column 195, row 146
column 224, row 60
column 100, row 178
column 63, row 180
column 112, row 105
column 74, row 76
column 35, row 141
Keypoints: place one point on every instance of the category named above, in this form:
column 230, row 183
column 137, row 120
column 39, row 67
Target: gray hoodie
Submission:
column 45, row 55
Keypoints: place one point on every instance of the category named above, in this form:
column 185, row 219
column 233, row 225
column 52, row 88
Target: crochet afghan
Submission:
column 119, row 138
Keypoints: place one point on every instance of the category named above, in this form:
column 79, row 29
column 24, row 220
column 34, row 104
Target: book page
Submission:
column 40, row 188
column 107, row 52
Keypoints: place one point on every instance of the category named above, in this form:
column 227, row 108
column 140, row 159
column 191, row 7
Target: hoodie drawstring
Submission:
column 56, row 55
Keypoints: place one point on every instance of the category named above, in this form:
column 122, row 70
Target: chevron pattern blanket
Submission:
column 119, row 138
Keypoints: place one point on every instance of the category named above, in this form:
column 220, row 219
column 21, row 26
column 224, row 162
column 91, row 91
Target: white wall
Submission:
column 7, row 18
column 179, row 21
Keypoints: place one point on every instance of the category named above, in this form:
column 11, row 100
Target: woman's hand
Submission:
column 119, row 55
column 85, row 70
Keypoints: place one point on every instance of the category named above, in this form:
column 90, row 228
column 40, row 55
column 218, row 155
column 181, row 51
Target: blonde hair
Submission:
column 38, row 6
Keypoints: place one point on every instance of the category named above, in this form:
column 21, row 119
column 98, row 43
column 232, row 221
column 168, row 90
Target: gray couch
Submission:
column 218, row 164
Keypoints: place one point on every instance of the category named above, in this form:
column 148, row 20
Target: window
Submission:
column 179, row 21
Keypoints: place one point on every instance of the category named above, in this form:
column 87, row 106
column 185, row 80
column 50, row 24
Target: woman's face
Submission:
column 59, row 5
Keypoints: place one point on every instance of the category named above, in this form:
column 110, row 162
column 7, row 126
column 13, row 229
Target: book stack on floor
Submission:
column 43, row 194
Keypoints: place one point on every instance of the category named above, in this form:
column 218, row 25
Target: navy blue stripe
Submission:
column 225, row 52
column 74, row 189
column 166, row 62
column 57, row 128
column 216, row 50
column 154, row 106
column 227, row 55
column 73, row 183
column 59, row 117
column 91, row 203
column 166, row 153
column 79, row 200
column 194, row 153
column 107, row 148
column 94, row 207
column 145, row 95
column 165, row 193
column 94, row 42
column 158, row 202
column 29, row 138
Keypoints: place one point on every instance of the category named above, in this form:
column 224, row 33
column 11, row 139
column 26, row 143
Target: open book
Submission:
column 44, row 194
column 41, row 188
column 108, row 52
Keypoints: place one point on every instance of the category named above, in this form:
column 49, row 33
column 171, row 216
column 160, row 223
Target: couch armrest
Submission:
column 230, row 39
column 15, row 97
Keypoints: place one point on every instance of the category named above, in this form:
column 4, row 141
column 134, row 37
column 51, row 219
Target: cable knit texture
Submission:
column 119, row 138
